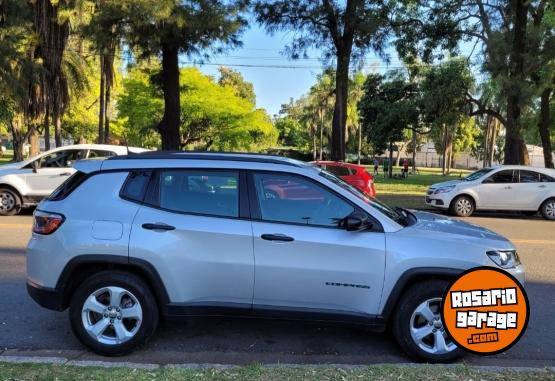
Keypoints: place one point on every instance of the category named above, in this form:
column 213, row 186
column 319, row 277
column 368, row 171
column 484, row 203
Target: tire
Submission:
column 418, row 313
column 462, row 206
column 94, row 307
column 10, row 202
column 548, row 209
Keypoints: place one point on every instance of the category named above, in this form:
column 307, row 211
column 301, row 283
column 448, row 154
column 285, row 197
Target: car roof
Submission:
column 217, row 156
column 524, row 168
column 105, row 147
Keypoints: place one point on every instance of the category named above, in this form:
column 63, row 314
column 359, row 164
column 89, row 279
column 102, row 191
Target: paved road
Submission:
column 25, row 328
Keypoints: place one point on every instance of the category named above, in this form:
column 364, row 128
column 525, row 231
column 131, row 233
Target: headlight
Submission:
column 445, row 189
column 504, row 259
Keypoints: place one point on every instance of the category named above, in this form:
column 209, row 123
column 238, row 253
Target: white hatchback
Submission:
column 26, row 183
column 505, row 188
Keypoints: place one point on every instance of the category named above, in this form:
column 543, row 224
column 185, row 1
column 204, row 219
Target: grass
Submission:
column 39, row 372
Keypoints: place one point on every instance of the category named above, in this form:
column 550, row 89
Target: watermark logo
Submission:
column 485, row 310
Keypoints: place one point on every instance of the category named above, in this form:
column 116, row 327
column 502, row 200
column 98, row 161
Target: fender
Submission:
column 16, row 182
column 412, row 276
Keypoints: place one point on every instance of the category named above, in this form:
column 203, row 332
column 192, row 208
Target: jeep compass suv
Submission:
column 128, row 240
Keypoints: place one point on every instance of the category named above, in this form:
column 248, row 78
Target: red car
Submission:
column 356, row 175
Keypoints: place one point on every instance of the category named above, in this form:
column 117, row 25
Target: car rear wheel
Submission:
column 10, row 202
column 462, row 206
column 417, row 324
column 548, row 209
column 113, row 313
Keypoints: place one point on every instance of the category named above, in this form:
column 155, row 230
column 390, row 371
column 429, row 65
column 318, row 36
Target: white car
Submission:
column 26, row 183
column 504, row 188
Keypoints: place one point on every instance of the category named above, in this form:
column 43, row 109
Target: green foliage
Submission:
column 212, row 116
column 233, row 79
column 387, row 108
column 291, row 132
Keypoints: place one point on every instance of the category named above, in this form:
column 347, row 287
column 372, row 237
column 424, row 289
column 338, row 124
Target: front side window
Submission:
column 529, row 177
column 501, row 177
column 200, row 192
column 292, row 199
column 61, row 159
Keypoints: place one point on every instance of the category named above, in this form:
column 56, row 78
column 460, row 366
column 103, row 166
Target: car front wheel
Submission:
column 548, row 209
column 113, row 313
column 462, row 206
column 418, row 327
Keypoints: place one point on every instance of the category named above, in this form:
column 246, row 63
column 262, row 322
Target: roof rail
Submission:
column 203, row 155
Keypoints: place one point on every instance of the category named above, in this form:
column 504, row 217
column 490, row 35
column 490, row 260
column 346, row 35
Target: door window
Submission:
column 292, row 199
column 529, row 177
column 95, row 153
column 546, row 179
column 501, row 177
column 61, row 159
column 200, row 192
column 338, row 170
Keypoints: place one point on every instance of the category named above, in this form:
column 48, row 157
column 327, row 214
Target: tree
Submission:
column 387, row 108
column 344, row 30
column 502, row 29
column 233, row 79
column 167, row 28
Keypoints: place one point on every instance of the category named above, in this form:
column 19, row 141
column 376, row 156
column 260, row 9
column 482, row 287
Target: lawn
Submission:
column 6, row 158
column 410, row 192
column 37, row 372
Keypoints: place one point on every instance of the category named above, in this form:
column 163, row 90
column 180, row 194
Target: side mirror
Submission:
column 356, row 221
column 489, row 180
column 35, row 166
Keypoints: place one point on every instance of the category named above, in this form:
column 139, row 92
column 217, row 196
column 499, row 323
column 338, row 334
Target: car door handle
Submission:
column 542, row 186
column 65, row 174
column 277, row 237
column 158, row 227
column 508, row 188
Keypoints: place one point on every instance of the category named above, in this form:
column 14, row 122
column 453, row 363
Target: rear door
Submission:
column 195, row 231
column 304, row 261
column 529, row 191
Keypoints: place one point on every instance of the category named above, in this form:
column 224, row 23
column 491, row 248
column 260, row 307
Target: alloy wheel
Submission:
column 427, row 330
column 7, row 201
column 463, row 206
column 550, row 209
column 112, row 315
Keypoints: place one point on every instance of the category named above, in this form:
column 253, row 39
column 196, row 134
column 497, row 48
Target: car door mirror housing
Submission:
column 356, row 221
column 489, row 180
column 35, row 166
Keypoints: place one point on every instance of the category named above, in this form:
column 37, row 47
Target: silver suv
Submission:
column 128, row 240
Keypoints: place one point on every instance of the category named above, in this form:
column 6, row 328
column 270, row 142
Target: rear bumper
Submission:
column 46, row 297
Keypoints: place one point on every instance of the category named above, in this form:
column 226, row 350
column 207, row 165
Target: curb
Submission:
column 125, row 364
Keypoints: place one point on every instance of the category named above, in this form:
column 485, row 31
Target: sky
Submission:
column 274, row 85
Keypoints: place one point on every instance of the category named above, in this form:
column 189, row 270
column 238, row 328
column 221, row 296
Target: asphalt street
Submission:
column 27, row 329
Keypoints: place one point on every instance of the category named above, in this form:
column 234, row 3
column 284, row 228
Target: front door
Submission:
column 193, row 233
column 304, row 261
column 51, row 171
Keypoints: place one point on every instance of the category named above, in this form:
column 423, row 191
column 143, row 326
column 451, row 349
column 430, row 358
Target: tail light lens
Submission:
column 46, row 222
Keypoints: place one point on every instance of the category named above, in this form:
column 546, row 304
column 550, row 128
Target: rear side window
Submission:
column 68, row 186
column 212, row 193
column 338, row 170
column 546, row 179
column 529, row 177
column 135, row 186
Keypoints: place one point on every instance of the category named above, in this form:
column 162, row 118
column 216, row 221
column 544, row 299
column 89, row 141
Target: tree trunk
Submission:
column 16, row 128
column 414, row 140
column 101, row 102
column 390, row 162
column 444, row 149
column 359, row 143
column 494, row 131
column 46, row 127
column 34, row 150
column 314, row 149
column 107, row 115
column 57, row 119
column 489, row 121
column 340, row 110
column 515, row 147
column 321, row 112
column 543, row 125
column 169, row 126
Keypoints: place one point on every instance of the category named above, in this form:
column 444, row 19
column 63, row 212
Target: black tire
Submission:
column 402, row 320
column 10, row 202
column 548, row 209
column 138, row 288
column 462, row 206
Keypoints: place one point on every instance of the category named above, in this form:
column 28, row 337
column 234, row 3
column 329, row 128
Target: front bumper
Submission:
column 46, row 297
column 441, row 200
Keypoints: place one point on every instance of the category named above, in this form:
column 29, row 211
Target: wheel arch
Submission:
column 84, row 266
column 466, row 194
column 12, row 188
column 413, row 276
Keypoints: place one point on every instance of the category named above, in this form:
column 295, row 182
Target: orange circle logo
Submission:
column 485, row 310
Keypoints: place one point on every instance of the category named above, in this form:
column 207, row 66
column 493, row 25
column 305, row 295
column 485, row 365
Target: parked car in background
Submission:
column 354, row 174
column 26, row 183
column 504, row 188
column 131, row 239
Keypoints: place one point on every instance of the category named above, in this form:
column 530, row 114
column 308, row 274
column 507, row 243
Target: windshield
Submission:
column 380, row 206
column 476, row 175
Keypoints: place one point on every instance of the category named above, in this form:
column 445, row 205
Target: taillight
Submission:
column 46, row 222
